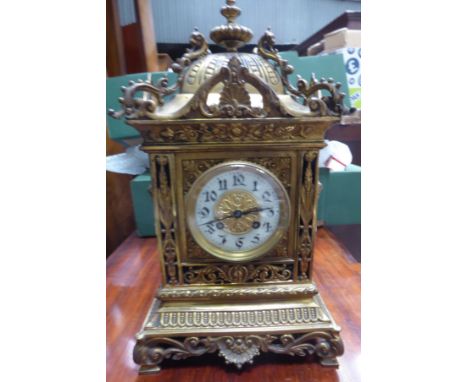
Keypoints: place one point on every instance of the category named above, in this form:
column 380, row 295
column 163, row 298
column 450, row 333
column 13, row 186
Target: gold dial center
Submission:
column 235, row 208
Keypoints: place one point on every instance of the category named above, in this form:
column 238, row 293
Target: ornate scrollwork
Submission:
column 234, row 99
column 166, row 219
column 280, row 166
column 239, row 350
column 153, row 94
column 307, row 92
column 280, row 131
column 306, row 213
column 227, row 273
column 192, row 169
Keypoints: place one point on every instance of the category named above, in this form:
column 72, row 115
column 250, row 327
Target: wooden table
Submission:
column 133, row 274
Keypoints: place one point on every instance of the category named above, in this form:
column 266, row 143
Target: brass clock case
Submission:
column 229, row 110
column 237, row 227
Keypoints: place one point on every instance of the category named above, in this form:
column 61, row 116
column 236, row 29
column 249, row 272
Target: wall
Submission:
column 292, row 21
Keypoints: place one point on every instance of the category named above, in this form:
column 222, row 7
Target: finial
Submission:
column 230, row 11
column 231, row 36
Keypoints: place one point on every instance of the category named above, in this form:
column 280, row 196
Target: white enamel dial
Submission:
column 237, row 210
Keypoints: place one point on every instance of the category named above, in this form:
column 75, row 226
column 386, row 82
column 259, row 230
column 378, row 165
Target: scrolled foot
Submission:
column 238, row 350
column 149, row 370
column 329, row 362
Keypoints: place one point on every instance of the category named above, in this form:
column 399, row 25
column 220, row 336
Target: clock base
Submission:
column 238, row 332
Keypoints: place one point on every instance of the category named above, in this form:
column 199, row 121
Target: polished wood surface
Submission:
column 133, row 275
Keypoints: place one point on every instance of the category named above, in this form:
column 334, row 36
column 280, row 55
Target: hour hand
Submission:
column 217, row 220
column 237, row 214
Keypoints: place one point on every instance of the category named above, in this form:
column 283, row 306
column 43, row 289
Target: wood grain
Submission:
column 133, row 274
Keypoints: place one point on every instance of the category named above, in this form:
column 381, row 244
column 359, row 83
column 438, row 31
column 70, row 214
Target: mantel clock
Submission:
column 233, row 148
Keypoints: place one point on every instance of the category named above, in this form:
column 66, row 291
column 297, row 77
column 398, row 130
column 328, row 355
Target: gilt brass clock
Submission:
column 237, row 211
column 233, row 147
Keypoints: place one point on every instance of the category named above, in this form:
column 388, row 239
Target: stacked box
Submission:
column 342, row 38
column 352, row 66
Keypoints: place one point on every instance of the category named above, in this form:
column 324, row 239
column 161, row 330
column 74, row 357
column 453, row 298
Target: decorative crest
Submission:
column 134, row 108
column 234, row 100
column 308, row 93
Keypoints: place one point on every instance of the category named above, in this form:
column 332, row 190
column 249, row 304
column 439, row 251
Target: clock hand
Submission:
column 233, row 214
column 217, row 220
column 256, row 209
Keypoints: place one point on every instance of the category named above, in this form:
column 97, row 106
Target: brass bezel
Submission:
column 242, row 256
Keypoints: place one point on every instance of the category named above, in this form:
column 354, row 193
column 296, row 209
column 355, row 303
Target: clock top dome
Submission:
column 231, row 36
column 207, row 66
column 231, row 84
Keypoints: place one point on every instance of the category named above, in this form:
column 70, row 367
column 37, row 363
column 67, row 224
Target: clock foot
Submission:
column 238, row 350
column 329, row 362
column 238, row 334
column 149, row 370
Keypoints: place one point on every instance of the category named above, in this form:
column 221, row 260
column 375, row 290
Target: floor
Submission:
column 133, row 276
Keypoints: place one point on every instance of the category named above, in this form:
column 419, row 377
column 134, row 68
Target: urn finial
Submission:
column 232, row 35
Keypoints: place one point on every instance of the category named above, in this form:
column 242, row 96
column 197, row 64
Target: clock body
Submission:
column 233, row 157
column 199, row 189
column 235, row 226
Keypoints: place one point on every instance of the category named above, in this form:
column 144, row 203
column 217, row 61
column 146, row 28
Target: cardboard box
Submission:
column 342, row 38
column 315, row 49
column 352, row 66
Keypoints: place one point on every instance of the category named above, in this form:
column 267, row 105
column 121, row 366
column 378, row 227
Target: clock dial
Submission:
column 237, row 211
